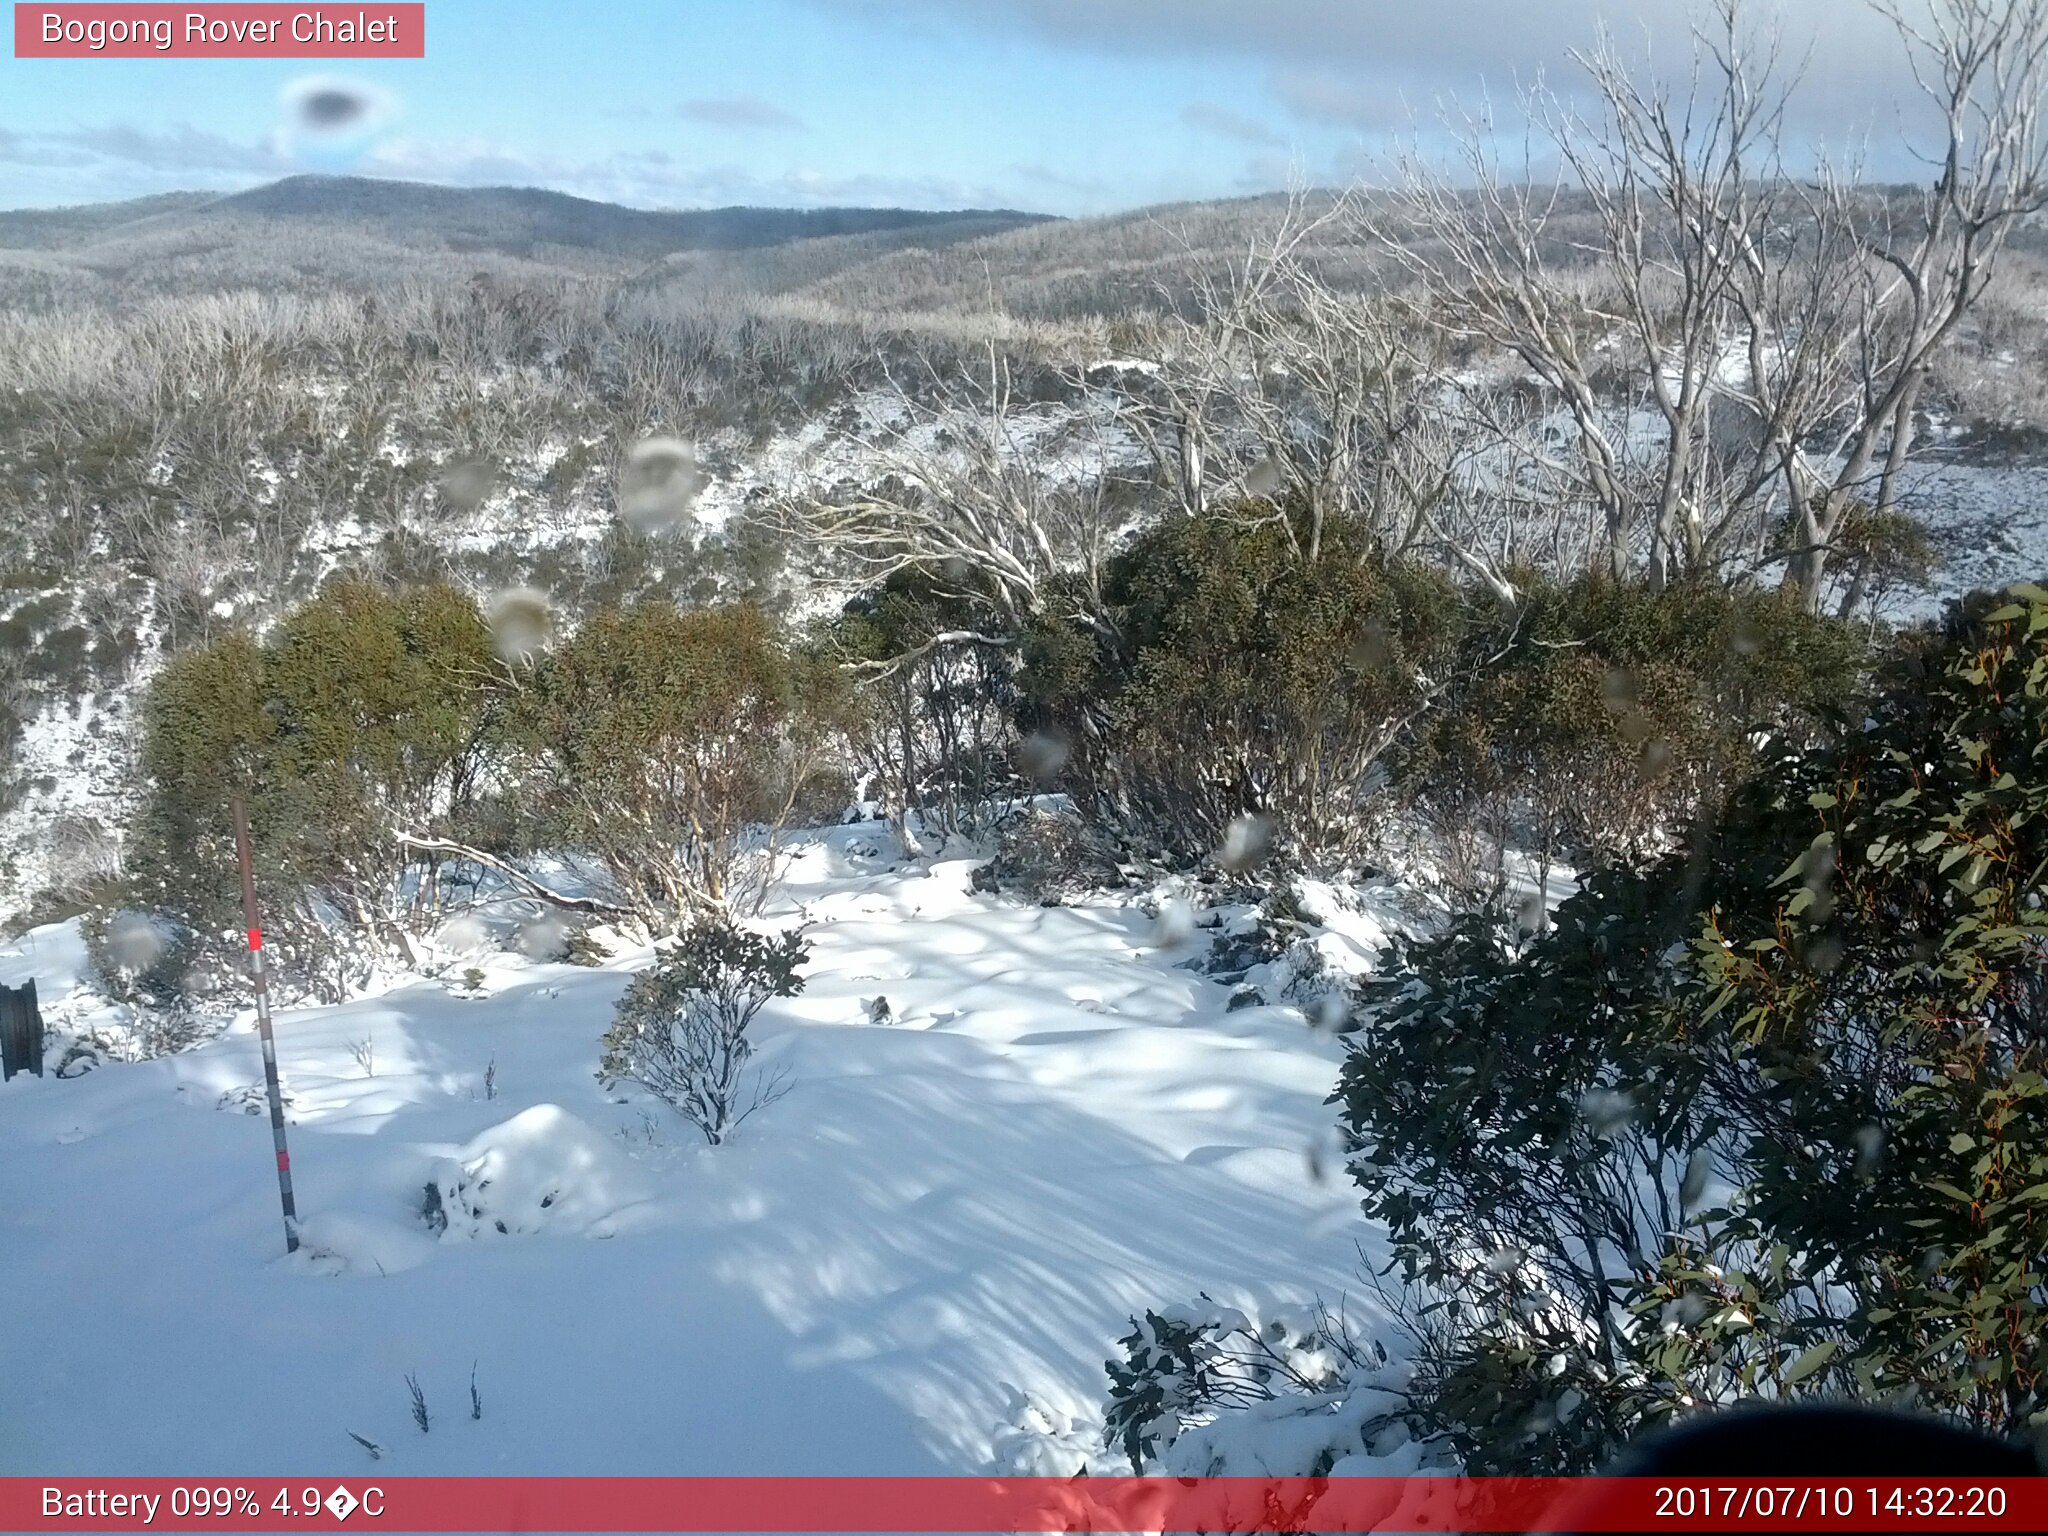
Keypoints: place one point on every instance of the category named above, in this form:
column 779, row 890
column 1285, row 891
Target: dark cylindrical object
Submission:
column 21, row 1031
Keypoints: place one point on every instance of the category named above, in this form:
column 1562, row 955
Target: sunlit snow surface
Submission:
column 1060, row 1126
column 1989, row 523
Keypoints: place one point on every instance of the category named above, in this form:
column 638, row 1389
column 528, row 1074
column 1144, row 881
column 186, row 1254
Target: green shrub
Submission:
column 1235, row 678
column 935, row 733
column 362, row 717
column 584, row 949
column 674, row 746
column 1185, row 1367
column 1767, row 1118
column 1048, row 856
column 1591, row 720
column 681, row 1030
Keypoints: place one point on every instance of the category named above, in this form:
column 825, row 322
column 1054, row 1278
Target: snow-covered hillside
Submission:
column 71, row 766
column 1059, row 1124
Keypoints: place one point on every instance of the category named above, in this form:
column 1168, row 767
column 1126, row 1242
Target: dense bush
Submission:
column 1233, row 677
column 1766, row 1118
column 1050, row 856
column 388, row 754
column 1589, row 720
column 681, row 1030
column 362, row 716
column 1225, row 676
column 673, row 745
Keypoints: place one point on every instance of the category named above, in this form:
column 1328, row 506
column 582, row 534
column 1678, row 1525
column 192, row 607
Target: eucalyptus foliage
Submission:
column 1766, row 1117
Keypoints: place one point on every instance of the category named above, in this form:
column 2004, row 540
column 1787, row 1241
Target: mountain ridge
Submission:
column 509, row 218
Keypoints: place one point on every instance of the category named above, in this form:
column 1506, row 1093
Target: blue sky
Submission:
column 1067, row 106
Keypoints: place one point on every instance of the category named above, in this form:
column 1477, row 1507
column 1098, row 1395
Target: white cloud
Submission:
column 182, row 148
column 1379, row 66
column 1211, row 118
column 737, row 112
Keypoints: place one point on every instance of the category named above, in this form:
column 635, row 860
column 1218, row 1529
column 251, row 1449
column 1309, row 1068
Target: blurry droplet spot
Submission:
column 659, row 485
column 1041, row 755
column 522, row 624
column 1247, row 843
column 465, row 482
column 1174, row 924
column 1618, row 688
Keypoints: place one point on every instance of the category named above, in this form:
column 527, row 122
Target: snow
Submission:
column 52, row 956
column 1989, row 522
column 542, row 1170
column 916, row 1262
column 67, row 765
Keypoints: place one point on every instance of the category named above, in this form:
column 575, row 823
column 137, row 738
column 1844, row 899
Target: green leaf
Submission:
column 1810, row 1362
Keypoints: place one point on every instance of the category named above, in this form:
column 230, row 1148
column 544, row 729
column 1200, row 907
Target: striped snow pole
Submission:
column 255, row 930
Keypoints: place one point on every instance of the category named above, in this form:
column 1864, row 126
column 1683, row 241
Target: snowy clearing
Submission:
column 1059, row 1126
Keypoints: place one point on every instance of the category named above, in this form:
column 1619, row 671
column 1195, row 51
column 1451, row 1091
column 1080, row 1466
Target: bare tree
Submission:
column 1273, row 386
column 1776, row 328
column 1982, row 65
column 965, row 485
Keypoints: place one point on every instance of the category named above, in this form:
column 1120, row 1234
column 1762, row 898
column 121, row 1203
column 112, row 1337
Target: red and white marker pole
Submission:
column 255, row 930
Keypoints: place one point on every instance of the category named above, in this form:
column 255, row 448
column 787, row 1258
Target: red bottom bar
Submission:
column 974, row 1504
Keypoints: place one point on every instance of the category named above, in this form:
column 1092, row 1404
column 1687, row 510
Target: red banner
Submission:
column 969, row 1504
column 360, row 31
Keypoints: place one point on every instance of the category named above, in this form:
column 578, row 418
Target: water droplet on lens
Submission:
column 1506, row 1260
column 1372, row 651
column 522, row 624
column 1041, row 755
column 659, row 485
column 1331, row 1013
column 1325, row 1154
column 1174, row 924
column 464, row 483
column 1618, row 688
column 544, row 937
column 134, row 941
column 1693, row 1188
column 1264, row 478
column 334, row 108
column 329, row 108
column 1606, row 1111
column 1247, row 843
column 1825, row 952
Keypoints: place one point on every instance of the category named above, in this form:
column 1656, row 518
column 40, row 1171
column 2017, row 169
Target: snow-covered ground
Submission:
column 1060, row 1126
column 1989, row 522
